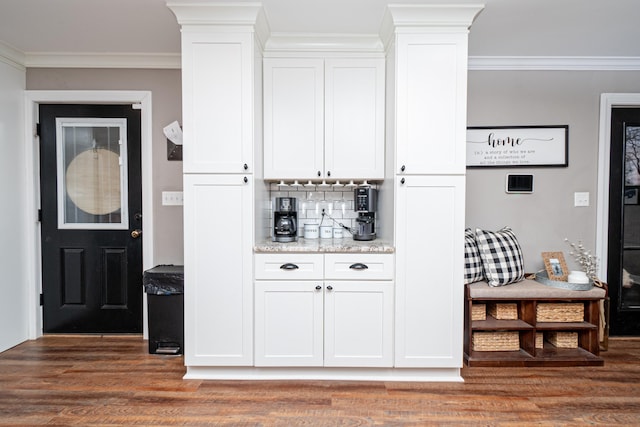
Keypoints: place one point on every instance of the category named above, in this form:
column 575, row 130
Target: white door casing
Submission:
column 142, row 100
column 607, row 102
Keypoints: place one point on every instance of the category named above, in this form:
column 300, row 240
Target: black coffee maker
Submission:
column 285, row 220
column 365, row 203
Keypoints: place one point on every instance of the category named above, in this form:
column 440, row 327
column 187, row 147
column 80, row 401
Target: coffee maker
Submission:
column 285, row 220
column 365, row 203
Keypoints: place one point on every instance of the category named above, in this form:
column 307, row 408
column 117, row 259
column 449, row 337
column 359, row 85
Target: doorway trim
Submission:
column 33, row 98
column 608, row 101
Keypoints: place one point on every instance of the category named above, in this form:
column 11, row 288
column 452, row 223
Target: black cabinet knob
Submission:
column 402, row 168
column 329, row 288
column 402, row 181
column 246, row 166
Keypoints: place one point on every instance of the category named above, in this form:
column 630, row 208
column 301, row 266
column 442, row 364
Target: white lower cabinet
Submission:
column 288, row 323
column 358, row 324
column 429, row 259
column 218, row 303
column 318, row 321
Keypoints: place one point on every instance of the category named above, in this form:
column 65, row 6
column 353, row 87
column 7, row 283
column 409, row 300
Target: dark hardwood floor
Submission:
column 107, row 380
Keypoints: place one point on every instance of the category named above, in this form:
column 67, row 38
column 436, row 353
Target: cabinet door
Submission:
column 217, row 99
column 288, row 323
column 429, row 271
column 354, row 118
column 293, row 118
column 218, row 262
column 358, row 324
column 431, row 81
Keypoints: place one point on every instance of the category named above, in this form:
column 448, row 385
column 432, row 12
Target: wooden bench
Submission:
column 531, row 324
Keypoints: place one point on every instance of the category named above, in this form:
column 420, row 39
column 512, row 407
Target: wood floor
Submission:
column 94, row 380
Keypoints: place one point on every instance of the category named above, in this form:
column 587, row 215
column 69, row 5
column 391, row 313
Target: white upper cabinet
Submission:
column 293, row 118
column 354, row 118
column 218, row 101
column 431, row 102
column 324, row 118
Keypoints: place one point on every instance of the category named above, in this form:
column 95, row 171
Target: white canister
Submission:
column 578, row 277
column 337, row 233
column 311, row 230
column 326, row 231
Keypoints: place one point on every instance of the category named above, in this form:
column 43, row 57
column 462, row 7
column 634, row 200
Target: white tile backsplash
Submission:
column 338, row 203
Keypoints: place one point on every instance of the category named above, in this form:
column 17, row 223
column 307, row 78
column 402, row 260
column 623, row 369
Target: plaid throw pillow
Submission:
column 501, row 256
column 472, row 261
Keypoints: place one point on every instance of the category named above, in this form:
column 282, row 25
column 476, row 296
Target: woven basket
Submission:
column 503, row 311
column 478, row 312
column 559, row 312
column 539, row 340
column 563, row 339
column 496, row 341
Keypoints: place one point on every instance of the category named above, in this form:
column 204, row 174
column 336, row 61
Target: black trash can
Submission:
column 164, row 286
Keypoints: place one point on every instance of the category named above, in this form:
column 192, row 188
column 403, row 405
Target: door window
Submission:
column 630, row 295
column 92, row 173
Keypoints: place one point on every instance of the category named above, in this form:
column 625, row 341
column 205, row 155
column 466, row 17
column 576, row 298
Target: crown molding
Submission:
column 101, row 60
column 554, row 63
column 309, row 44
column 412, row 18
column 11, row 56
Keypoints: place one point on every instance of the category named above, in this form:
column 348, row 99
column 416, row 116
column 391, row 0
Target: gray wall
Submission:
column 165, row 86
column 543, row 219
column 14, row 306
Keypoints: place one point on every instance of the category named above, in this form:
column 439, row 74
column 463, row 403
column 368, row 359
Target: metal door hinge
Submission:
column 41, row 299
column 39, row 215
column 37, row 129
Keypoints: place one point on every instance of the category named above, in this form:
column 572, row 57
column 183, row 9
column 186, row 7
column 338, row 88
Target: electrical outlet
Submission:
column 172, row 198
column 580, row 199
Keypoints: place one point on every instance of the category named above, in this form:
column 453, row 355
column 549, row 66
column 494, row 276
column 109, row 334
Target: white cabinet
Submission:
column 218, row 270
column 289, row 323
column 293, row 118
column 429, row 261
column 218, row 101
column 305, row 317
column 358, row 318
column 354, row 118
column 324, row 118
column 431, row 103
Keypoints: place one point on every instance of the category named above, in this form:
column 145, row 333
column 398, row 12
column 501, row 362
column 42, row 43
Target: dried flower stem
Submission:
column 587, row 261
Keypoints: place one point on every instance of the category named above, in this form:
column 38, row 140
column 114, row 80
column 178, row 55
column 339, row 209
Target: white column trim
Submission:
column 32, row 100
column 607, row 102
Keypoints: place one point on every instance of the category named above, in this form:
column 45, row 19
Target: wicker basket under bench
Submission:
column 531, row 324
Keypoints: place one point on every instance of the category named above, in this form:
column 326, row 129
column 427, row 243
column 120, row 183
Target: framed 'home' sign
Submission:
column 518, row 146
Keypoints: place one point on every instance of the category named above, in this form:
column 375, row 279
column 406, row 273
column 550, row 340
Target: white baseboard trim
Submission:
column 324, row 374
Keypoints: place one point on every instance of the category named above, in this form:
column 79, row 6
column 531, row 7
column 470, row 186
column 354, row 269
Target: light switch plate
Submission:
column 172, row 198
column 581, row 199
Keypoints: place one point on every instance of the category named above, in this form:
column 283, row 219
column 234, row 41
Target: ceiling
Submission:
column 557, row 28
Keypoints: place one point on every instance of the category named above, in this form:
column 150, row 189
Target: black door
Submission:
column 623, row 269
column 91, row 200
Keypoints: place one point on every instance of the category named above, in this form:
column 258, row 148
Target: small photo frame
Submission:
column 556, row 266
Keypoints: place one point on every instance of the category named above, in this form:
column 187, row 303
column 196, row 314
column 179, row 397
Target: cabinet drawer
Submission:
column 288, row 266
column 359, row 266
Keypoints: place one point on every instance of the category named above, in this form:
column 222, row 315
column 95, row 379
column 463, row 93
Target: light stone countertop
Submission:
column 345, row 245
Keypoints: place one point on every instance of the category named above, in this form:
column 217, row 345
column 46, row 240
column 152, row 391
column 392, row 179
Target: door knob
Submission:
column 136, row 233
